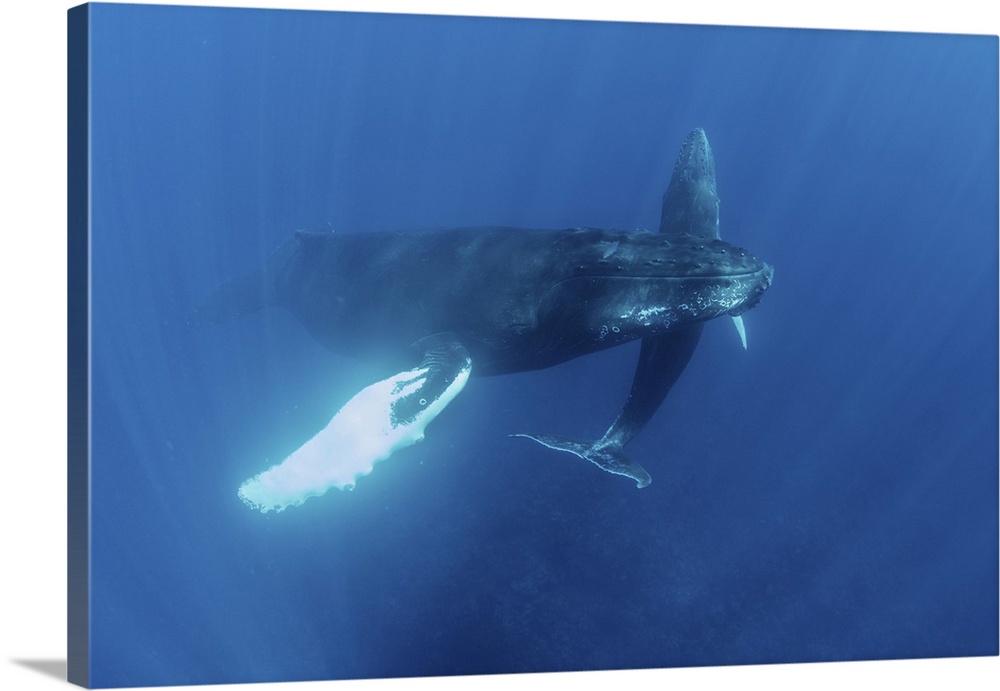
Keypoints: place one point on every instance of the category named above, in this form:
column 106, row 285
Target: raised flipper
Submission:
column 378, row 421
column 606, row 455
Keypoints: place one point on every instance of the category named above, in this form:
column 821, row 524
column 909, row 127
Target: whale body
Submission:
column 434, row 307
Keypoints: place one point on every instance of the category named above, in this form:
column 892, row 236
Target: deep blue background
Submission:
column 829, row 494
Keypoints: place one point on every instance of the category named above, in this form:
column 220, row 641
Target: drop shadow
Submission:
column 50, row 668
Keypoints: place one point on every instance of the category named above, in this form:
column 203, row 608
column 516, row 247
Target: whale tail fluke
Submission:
column 234, row 298
column 249, row 292
column 605, row 454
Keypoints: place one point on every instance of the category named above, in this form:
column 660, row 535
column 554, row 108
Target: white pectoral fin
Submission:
column 379, row 420
column 741, row 330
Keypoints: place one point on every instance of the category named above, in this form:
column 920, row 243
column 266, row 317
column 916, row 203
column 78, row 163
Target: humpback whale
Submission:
column 434, row 307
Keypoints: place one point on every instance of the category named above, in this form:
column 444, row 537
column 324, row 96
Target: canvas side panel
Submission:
column 78, row 346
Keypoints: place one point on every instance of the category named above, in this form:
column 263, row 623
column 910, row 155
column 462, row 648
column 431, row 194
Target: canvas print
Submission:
column 410, row 345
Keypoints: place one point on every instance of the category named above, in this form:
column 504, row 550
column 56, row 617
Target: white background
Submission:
column 33, row 334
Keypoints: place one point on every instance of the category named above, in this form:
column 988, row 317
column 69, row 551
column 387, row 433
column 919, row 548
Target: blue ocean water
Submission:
column 828, row 494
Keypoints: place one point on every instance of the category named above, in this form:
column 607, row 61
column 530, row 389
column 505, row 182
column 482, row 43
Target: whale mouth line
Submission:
column 625, row 276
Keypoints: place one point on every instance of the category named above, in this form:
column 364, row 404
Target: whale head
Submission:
column 643, row 284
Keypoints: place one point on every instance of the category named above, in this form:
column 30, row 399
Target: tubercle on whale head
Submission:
column 754, row 296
